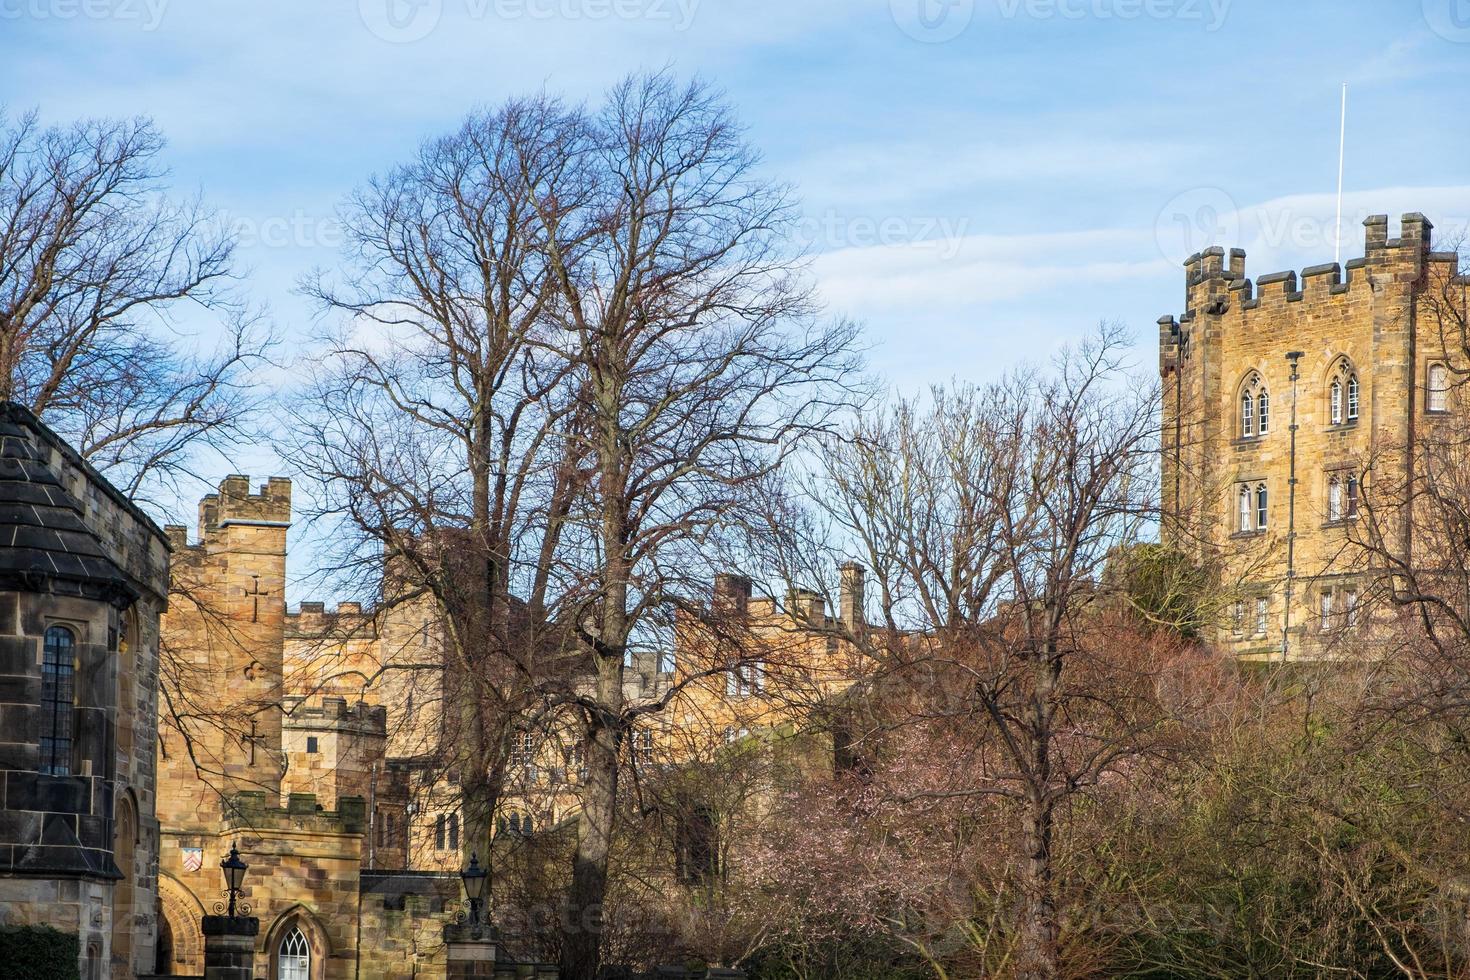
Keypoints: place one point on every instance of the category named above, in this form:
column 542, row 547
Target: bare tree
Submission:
column 699, row 363
column 577, row 345
column 97, row 268
column 987, row 517
column 436, row 432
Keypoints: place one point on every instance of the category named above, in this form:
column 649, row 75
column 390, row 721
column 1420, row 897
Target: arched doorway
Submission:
column 163, row 951
column 180, row 936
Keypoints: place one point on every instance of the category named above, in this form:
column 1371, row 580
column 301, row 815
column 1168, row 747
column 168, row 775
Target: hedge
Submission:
column 39, row 953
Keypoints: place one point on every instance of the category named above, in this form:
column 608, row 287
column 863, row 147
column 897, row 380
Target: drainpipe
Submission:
column 1179, row 421
column 1293, row 357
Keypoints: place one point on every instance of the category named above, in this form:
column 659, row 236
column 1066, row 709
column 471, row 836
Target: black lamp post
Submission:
column 234, row 870
column 474, row 886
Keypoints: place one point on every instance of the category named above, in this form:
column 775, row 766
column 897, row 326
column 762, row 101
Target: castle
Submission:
column 159, row 703
column 276, row 736
column 312, row 740
column 1286, row 401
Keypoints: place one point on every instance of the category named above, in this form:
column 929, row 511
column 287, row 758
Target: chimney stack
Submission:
column 732, row 594
column 850, row 599
column 805, row 606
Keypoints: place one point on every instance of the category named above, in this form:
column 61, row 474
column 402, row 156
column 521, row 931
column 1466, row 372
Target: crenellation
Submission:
column 335, row 714
column 235, row 504
column 1375, row 235
column 1328, row 269
column 1365, row 353
column 1415, row 230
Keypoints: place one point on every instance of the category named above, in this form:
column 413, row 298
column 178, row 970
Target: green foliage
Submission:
column 1302, row 851
column 1164, row 587
column 39, row 953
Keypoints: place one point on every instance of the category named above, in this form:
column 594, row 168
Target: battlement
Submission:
column 251, row 811
column 335, row 714
column 1215, row 281
column 313, row 611
column 235, row 504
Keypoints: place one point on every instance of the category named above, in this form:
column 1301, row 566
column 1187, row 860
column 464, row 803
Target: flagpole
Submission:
column 1341, row 147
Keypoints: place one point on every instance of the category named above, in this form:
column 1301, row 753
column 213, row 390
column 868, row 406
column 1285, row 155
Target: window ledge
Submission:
column 1248, row 534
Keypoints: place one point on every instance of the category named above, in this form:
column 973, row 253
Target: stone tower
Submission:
column 226, row 621
column 1344, row 353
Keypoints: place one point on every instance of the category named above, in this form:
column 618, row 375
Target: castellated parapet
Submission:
column 1363, row 356
column 234, row 503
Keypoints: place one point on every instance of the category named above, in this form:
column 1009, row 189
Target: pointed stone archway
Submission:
column 301, row 918
column 181, row 937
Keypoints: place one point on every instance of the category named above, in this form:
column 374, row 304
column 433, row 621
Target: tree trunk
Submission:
column 582, row 925
column 477, row 795
column 582, row 928
column 1038, row 925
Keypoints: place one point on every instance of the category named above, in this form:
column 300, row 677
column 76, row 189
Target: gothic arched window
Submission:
column 1255, row 407
column 1261, row 509
column 58, row 683
column 293, row 959
column 1343, row 393
column 1244, row 520
column 1334, row 499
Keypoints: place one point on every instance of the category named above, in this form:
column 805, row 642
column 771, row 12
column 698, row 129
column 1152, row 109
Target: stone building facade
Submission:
column 311, row 739
column 274, row 738
column 1286, row 399
column 83, row 579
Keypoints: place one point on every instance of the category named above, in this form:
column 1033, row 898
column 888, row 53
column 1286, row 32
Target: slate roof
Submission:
column 45, row 545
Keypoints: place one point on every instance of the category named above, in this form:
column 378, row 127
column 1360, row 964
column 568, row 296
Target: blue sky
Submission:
column 983, row 179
